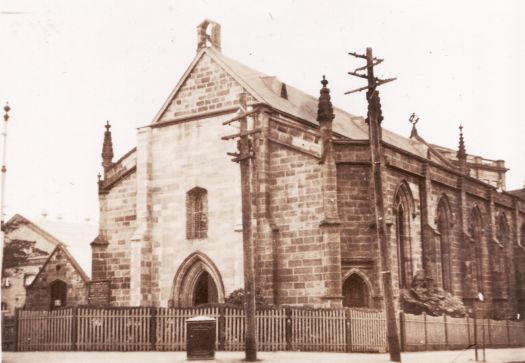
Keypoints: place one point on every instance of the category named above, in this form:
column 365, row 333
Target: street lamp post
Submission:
column 4, row 171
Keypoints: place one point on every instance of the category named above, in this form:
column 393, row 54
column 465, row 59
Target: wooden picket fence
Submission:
column 45, row 330
column 278, row 329
column 424, row 332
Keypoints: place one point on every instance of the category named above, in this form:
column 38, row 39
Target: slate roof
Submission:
column 300, row 104
column 267, row 89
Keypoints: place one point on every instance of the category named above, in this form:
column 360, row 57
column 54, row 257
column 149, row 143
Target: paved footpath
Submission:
column 492, row 356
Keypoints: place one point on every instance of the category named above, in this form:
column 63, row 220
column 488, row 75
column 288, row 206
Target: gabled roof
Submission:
column 267, row 89
column 70, row 258
column 74, row 236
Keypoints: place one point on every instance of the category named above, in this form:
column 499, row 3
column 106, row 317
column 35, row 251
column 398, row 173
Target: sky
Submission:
column 68, row 66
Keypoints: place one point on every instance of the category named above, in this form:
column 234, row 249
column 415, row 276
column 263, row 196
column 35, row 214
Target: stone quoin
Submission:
column 170, row 209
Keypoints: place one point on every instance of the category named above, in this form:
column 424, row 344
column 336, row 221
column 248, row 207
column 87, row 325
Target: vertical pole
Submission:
column 446, row 331
column 402, row 330
column 475, row 332
column 74, row 324
column 153, row 327
column 425, row 329
column 348, row 324
column 488, row 331
column 375, row 148
column 2, row 191
column 468, row 330
column 508, row 332
column 483, row 336
column 17, row 319
column 249, row 286
column 288, row 312
column 222, row 327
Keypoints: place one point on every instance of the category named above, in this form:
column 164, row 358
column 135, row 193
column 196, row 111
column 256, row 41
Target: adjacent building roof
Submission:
column 74, row 236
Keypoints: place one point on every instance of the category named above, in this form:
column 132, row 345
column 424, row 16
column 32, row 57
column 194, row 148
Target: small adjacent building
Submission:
column 60, row 282
column 45, row 261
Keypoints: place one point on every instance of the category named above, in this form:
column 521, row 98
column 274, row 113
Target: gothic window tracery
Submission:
column 499, row 273
column 402, row 213
column 197, row 213
column 444, row 271
column 473, row 261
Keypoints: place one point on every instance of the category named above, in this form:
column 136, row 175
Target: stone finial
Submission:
column 107, row 149
column 325, row 111
column 462, row 153
column 203, row 37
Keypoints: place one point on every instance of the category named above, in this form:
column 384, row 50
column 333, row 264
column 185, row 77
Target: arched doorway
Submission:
column 355, row 292
column 205, row 290
column 197, row 282
column 58, row 294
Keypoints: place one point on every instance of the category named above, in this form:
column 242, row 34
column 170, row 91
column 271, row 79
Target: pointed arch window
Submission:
column 197, row 213
column 402, row 212
column 498, row 262
column 443, row 263
column 473, row 262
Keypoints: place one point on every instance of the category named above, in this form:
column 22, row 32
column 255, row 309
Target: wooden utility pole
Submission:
column 374, row 126
column 244, row 159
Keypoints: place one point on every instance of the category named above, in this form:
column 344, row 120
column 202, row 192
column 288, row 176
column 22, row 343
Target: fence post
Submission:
column 17, row 318
column 508, row 332
column 425, row 328
column 289, row 332
column 222, row 327
column 153, row 327
column 348, row 327
column 488, row 332
column 468, row 331
column 402, row 330
column 74, row 335
column 446, row 330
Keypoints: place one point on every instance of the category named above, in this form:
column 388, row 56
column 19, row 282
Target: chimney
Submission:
column 203, row 37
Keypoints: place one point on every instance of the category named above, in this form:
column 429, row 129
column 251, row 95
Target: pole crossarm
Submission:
column 241, row 134
column 376, row 156
column 244, row 157
column 240, row 116
column 378, row 82
column 358, row 74
column 375, row 63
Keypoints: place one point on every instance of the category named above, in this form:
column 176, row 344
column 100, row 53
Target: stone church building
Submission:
column 170, row 209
